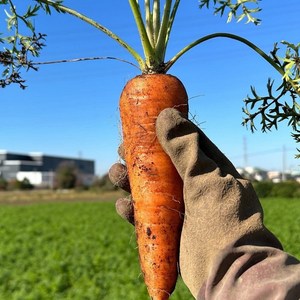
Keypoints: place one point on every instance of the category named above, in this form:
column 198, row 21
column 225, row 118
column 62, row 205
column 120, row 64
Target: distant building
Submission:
column 253, row 173
column 275, row 176
column 40, row 169
column 257, row 174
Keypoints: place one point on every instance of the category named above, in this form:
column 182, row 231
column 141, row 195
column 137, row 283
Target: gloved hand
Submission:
column 222, row 211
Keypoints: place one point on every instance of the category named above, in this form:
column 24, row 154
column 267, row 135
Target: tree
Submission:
column 280, row 103
column 3, row 184
column 66, row 176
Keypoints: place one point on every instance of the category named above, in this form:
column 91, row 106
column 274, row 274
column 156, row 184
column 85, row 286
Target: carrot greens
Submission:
column 154, row 20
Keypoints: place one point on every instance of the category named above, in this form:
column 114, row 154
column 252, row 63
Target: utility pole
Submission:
column 245, row 152
column 283, row 176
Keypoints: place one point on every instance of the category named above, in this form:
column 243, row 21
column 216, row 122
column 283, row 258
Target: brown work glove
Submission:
column 223, row 216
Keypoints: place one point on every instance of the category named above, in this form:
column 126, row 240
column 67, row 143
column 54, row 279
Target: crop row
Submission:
column 83, row 250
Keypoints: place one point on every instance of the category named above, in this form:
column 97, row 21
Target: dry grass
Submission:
column 37, row 196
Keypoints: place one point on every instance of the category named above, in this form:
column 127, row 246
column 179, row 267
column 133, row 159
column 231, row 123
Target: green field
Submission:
column 83, row 250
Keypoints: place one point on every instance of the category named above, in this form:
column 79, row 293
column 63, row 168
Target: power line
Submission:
column 265, row 152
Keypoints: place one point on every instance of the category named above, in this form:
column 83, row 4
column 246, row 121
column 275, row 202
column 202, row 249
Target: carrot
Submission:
column 155, row 184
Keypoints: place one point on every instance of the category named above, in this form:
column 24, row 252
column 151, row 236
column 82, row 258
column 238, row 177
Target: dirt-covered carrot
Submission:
column 155, row 184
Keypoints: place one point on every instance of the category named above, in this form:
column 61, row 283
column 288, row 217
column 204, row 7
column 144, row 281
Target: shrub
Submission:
column 3, row 184
column 104, row 184
column 26, row 185
column 263, row 188
column 20, row 184
column 285, row 189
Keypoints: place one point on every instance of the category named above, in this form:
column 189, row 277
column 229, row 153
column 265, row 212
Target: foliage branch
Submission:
column 154, row 24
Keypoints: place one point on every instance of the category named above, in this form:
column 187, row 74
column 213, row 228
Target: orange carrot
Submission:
column 155, row 184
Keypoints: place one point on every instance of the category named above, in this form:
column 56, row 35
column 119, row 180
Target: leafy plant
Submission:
column 19, row 46
column 83, row 250
column 279, row 104
column 65, row 250
column 239, row 10
column 274, row 107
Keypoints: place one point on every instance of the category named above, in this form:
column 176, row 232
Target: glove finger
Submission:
column 213, row 152
column 188, row 147
column 118, row 175
column 121, row 152
column 124, row 208
column 181, row 141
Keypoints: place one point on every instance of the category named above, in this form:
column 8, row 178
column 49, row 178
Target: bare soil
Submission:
column 46, row 196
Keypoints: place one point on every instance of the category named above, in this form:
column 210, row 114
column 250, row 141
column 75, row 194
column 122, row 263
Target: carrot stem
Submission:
column 148, row 50
column 160, row 48
column 171, row 21
column 102, row 28
column 266, row 57
column 156, row 19
column 170, row 63
column 149, row 22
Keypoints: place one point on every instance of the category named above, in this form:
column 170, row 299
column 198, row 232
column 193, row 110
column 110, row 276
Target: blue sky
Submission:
column 72, row 109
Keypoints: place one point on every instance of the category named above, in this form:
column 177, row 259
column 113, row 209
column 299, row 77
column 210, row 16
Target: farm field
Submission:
column 81, row 249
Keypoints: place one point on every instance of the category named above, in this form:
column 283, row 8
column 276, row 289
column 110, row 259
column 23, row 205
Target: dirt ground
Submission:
column 45, row 196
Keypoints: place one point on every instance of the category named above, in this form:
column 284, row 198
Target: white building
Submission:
column 39, row 169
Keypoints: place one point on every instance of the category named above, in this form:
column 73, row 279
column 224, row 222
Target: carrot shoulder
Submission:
column 155, row 184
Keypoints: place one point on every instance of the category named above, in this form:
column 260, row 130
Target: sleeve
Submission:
column 252, row 273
